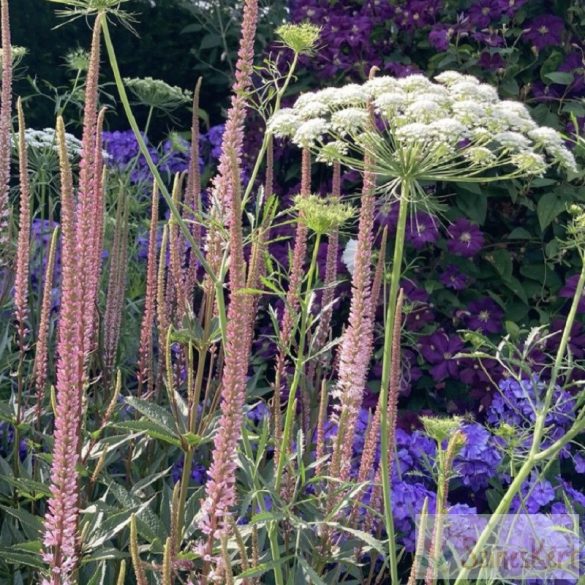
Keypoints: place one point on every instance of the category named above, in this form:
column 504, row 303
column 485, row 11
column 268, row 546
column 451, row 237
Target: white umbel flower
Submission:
column 349, row 121
column 432, row 130
column 450, row 77
column 563, row 157
column 448, row 129
column 313, row 109
column 545, row 136
column 425, row 111
column 379, row 85
column 470, row 112
column 349, row 95
column 284, row 123
column 389, row 104
column 414, row 83
column 310, row 132
column 530, row 162
column 479, row 155
column 414, row 132
column 512, row 140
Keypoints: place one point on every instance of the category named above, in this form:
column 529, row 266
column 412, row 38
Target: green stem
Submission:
column 266, row 138
column 534, row 456
column 144, row 150
column 289, row 416
column 386, row 365
column 272, row 526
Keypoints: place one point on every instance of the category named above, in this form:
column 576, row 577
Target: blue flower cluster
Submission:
column 171, row 156
column 519, row 401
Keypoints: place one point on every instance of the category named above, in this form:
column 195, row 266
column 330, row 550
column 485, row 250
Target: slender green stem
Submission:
column 299, row 362
column 144, row 150
column 266, row 139
column 386, row 365
column 534, row 456
column 272, row 528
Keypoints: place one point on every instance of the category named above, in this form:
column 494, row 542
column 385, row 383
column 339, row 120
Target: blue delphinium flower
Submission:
column 479, row 458
column 519, row 401
column 407, row 501
column 198, row 472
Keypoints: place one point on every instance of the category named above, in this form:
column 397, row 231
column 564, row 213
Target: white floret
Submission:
column 479, row 155
column 313, row 109
column 379, row 85
column 284, row 123
column 545, row 136
column 306, row 99
column 449, row 77
column 529, row 162
column 469, row 112
column 390, row 103
column 310, row 132
column 349, row 254
column 448, row 129
column 416, row 82
column 564, row 157
column 349, row 95
column 467, row 90
column 349, row 120
column 513, row 140
column 424, row 110
column 416, row 131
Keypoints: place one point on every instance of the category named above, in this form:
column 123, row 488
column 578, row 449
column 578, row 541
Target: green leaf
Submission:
column 15, row 556
column 113, row 524
column 516, row 287
column 261, row 569
column 502, row 262
column 152, row 429
column 153, row 412
column 28, row 488
column 309, row 573
column 148, row 523
column 549, row 206
column 519, row 234
column 473, row 205
column 366, row 537
column 32, row 525
column 210, row 41
column 560, row 77
column 513, row 330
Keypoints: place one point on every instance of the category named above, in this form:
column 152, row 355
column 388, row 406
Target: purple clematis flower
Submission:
column 545, row 31
column 465, row 238
column 422, row 229
column 454, row 279
column 491, row 61
column 484, row 12
column 439, row 350
column 568, row 291
column 484, row 315
column 441, row 35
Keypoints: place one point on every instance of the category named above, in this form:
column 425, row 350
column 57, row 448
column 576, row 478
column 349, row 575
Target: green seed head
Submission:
column 155, row 93
column 322, row 215
column 301, row 38
column 441, row 428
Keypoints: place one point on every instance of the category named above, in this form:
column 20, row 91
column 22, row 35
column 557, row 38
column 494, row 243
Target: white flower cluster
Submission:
column 450, row 121
column 43, row 140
